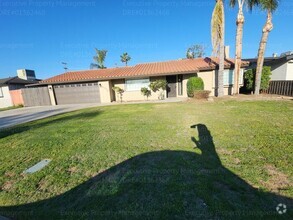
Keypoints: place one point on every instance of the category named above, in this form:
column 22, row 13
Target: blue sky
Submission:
column 40, row 34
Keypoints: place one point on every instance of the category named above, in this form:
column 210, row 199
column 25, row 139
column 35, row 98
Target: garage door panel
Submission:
column 77, row 93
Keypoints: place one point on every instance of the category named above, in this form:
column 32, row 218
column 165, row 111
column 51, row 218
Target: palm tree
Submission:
column 99, row 59
column 269, row 6
column 218, row 41
column 125, row 58
column 239, row 36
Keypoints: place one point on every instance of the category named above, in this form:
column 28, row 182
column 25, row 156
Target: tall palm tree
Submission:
column 239, row 36
column 218, row 42
column 269, row 6
column 99, row 59
column 125, row 58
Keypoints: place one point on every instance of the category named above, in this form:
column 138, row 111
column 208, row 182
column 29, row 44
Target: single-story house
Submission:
column 8, row 89
column 10, row 93
column 96, row 85
column 281, row 66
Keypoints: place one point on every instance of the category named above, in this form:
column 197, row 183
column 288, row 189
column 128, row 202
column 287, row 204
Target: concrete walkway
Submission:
column 14, row 117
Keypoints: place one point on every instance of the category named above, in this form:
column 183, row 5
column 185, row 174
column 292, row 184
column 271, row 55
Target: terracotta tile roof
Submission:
column 146, row 69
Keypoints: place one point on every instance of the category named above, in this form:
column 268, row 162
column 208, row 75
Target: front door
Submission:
column 171, row 86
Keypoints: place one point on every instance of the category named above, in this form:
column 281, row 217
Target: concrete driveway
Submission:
column 21, row 115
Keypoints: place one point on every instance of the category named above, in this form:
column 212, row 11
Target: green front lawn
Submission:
column 219, row 160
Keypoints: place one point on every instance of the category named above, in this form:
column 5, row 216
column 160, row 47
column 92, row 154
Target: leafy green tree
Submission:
column 99, row 59
column 159, row 85
column 269, row 6
column 119, row 91
column 250, row 75
column 194, row 84
column 146, row 92
column 218, row 42
column 195, row 51
column 125, row 58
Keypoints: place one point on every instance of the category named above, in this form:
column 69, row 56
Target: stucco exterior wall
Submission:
column 105, row 91
column 208, row 78
column 5, row 101
column 108, row 95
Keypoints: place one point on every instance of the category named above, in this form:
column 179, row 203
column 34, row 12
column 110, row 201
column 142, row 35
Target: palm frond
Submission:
column 269, row 5
column 99, row 59
column 251, row 3
column 232, row 3
column 217, row 26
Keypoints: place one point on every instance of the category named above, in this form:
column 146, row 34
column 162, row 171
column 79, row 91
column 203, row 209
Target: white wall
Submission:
column 279, row 71
column 5, row 101
column 289, row 75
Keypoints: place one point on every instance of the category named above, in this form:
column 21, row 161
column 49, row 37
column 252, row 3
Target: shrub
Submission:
column 193, row 84
column 201, row 94
column 249, row 77
column 265, row 78
column 159, row 85
column 119, row 91
column 146, row 92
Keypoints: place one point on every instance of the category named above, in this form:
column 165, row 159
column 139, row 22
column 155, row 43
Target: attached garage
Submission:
column 77, row 93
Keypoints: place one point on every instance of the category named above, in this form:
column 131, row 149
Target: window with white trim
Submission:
column 136, row 84
column 228, row 77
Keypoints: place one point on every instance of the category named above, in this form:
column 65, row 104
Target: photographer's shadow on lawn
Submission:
column 161, row 185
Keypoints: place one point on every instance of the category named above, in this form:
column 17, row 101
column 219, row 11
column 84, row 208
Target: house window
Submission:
column 228, row 77
column 180, row 86
column 136, row 84
column 1, row 93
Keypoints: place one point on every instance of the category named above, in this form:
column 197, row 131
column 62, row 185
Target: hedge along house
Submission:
column 96, row 85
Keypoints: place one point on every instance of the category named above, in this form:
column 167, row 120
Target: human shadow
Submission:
column 161, row 185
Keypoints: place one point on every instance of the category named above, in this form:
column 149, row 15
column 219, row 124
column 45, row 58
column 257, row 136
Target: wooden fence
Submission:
column 36, row 96
column 280, row 88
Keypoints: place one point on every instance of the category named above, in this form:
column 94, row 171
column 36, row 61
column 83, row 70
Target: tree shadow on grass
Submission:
column 48, row 121
column 161, row 185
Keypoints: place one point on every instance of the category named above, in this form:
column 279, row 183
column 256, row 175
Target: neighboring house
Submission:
column 282, row 66
column 96, row 85
column 10, row 93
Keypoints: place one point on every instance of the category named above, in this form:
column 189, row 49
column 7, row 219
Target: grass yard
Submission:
column 221, row 160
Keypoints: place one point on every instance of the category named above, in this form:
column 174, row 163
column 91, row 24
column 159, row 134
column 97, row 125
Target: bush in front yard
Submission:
column 159, row 85
column 194, row 84
column 249, row 77
column 201, row 94
column 146, row 92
